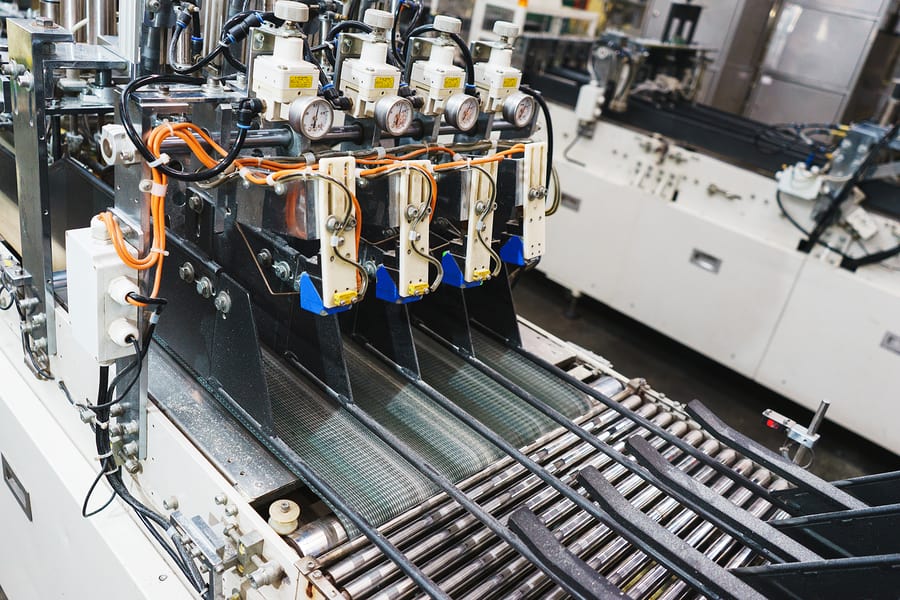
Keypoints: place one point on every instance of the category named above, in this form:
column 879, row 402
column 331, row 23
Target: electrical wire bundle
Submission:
column 110, row 394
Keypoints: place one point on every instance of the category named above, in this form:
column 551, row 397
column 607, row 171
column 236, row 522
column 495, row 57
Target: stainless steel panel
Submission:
column 853, row 7
column 779, row 101
column 822, row 48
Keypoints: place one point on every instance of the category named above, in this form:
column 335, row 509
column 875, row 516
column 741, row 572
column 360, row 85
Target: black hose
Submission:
column 546, row 110
column 463, row 50
column 344, row 26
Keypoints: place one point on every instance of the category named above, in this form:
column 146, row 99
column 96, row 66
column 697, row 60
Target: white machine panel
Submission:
column 839, row 340
column 712, row 289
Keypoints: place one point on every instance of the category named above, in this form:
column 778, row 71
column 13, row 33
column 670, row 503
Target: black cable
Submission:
column 245, row 117
column 802, row 229
column 463, row 50
column 831, row 212
column 539, row 98
column 345, row 25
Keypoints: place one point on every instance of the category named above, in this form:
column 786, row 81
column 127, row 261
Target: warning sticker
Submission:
column 301, row 81
column 384, row 82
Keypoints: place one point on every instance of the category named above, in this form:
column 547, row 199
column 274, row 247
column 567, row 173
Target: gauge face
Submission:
column 462, row 111
column 311, row 117
column 396, row 116
column 518, row 109
column 317, row 119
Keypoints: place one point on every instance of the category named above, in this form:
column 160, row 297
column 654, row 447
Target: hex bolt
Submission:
column 186, row 272
column 282, row 270
column 221, row 499
column 170, row 503
column 231, row 510
column 132, row 466
column 205, row 287
column 145, row 185
column 267, row 574
column 223, row 302
column 285, row 506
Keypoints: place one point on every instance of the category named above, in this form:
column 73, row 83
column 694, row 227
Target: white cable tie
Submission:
column 106, row 455
column 115, row 470
column 244, row 172
column 158, row 189
column 162, row 160
column 380, row 152
column 270, row 180
column 309, row 158
column 458, row 157
column 155, row 250
column 169, row 125
column 494, row 145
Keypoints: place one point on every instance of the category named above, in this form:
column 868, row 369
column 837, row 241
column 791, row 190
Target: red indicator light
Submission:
column 772, row 424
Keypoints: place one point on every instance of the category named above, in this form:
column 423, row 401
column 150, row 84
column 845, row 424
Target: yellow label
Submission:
column 510, row 82
column 301, row 81
column 417, row 289
column 384, row 82
column 452, row 82
column 344, row 298
column 481, row 274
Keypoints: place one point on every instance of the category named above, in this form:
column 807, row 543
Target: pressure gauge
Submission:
column 394, row 114
column 461, row 111
column 311, row 117
column 518, row 109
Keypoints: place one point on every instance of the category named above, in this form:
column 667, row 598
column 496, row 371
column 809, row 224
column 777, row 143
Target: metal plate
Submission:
column 234, row 451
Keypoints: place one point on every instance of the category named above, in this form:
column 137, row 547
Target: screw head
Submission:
column 195, row 202
column 205, row 287
column 186, row 272
column 223, row 302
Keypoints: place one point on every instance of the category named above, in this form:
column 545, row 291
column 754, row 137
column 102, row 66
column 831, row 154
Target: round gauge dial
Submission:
column 518, row 109
column 394, row 114
column 311, row 117
column 461, row 111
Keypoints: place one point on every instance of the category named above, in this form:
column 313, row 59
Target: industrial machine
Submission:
column 258, row 339
column 758, row 234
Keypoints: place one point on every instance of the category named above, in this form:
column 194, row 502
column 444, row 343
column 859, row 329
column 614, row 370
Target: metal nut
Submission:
column 170, row 503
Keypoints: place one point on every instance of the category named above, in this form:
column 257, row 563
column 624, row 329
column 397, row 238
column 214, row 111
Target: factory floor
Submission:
column 682, row 374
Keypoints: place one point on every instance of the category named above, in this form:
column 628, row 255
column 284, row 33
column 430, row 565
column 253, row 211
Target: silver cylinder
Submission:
column 71, row 12
column 101, row 19
column 319, row 536
column 50, row 8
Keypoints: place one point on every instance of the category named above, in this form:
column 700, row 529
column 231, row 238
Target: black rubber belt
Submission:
column 581, row 577
column 662, row 545
column 755, row 533
column 770, row 460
